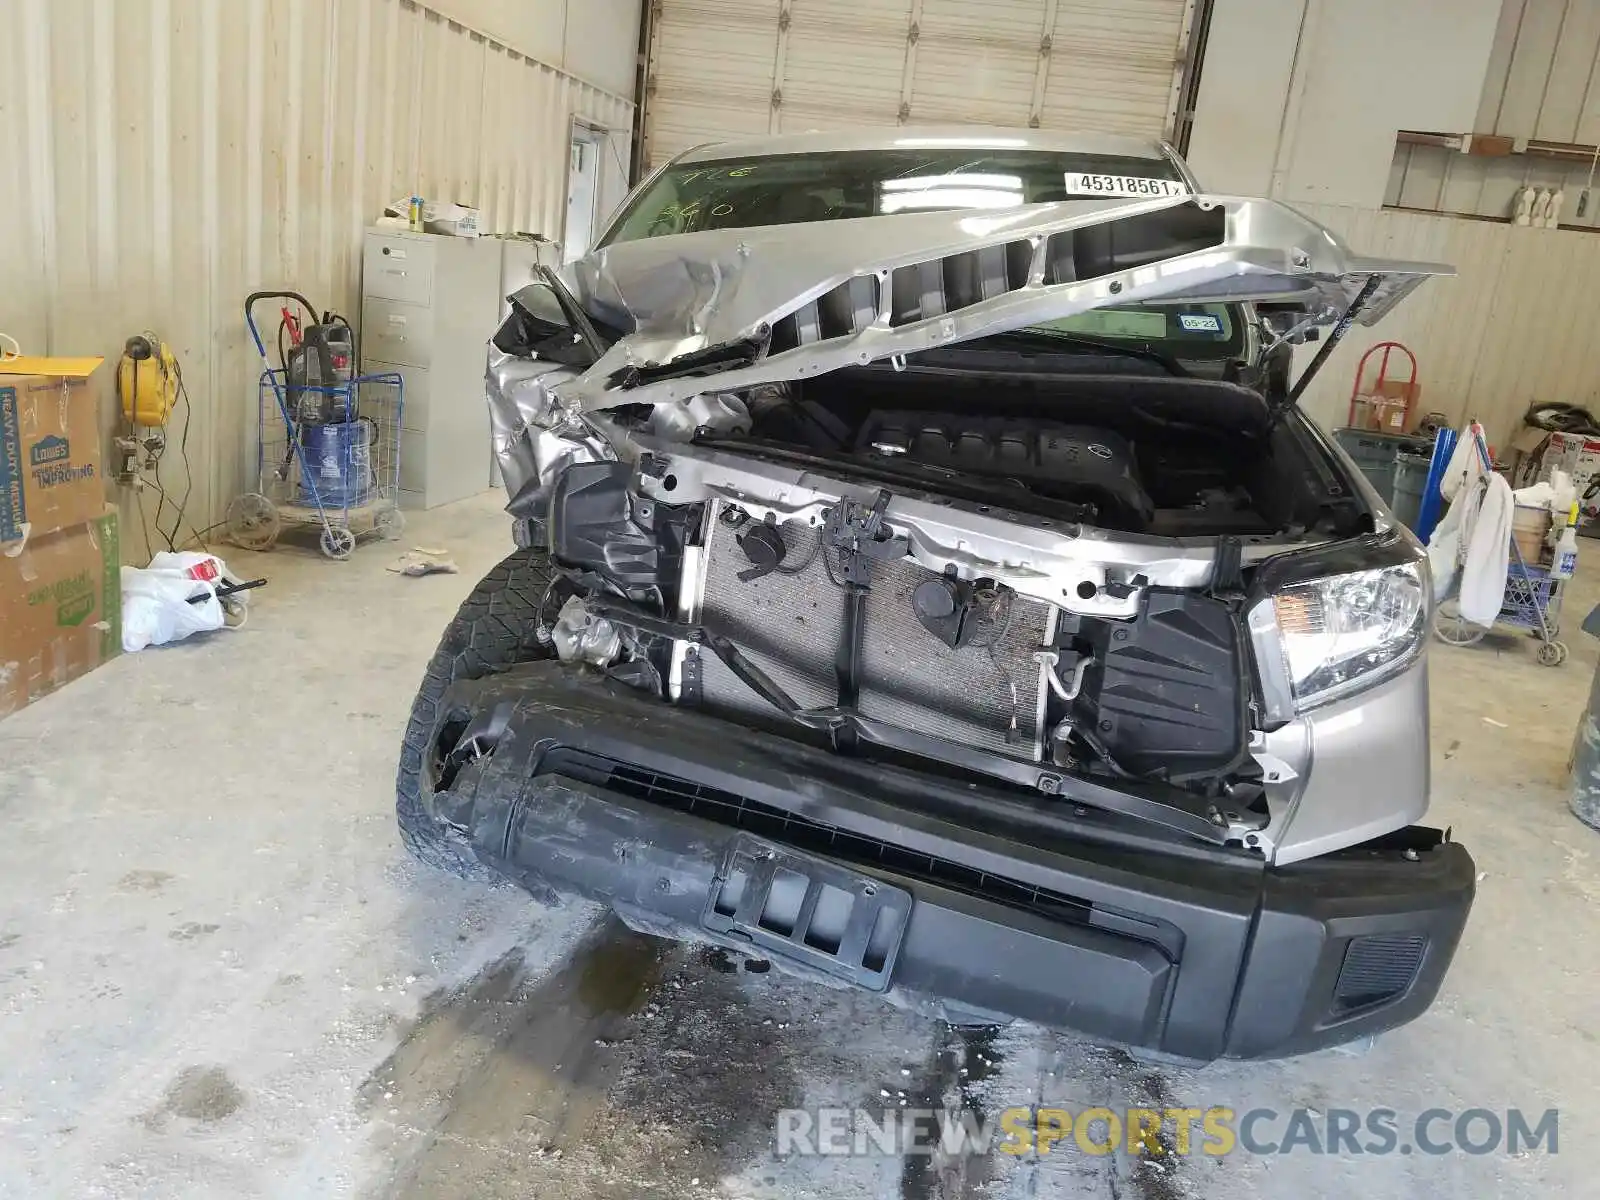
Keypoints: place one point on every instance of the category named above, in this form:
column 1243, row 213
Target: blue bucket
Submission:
column 336, row 468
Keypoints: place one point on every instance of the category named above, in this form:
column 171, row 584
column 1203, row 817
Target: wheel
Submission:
column 390, row 524
column 1552, row 627
column 1449, row 627
column 496, row 627
column 1552, row 654
column 252, row 522
column 337, row 541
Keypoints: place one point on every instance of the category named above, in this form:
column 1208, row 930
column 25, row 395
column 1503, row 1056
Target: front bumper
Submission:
column 1020, row 907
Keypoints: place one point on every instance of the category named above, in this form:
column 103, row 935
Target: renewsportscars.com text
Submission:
column 1214, row 1131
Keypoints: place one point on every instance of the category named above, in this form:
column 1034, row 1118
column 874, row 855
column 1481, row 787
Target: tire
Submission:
column 496, row 627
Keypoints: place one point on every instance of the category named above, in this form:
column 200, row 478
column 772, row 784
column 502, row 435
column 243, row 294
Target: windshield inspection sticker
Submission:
column 1134, row 187
column 1200, row 322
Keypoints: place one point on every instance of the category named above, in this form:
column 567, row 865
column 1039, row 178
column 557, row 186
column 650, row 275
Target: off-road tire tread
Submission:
column 496, row 627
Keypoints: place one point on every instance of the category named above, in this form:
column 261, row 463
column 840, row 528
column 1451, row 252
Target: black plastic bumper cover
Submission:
column 1021, row 907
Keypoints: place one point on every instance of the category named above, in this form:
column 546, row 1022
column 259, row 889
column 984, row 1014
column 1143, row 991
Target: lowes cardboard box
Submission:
column 50, row 474
column 60, row 609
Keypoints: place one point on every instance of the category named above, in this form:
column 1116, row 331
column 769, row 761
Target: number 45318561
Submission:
column 1122, row 186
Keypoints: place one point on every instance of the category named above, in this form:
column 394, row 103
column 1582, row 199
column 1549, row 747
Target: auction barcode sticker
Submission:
column 1122, row 186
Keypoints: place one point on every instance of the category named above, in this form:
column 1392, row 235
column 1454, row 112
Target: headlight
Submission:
column 1325, row 638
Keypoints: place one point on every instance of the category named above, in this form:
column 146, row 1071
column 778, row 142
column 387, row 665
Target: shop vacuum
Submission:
column 318, row 359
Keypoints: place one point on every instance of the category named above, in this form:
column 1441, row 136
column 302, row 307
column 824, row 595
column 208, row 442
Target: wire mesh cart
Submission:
column 1532, row 602
column 328, row 451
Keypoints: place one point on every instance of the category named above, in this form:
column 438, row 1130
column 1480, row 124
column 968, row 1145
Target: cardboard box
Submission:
column 50, row 472
column 60, row 609
column 1391, row 406
column 1391, row 416
column 452, row 220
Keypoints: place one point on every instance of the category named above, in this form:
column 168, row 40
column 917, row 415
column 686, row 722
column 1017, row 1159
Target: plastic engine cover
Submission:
column 1096, row 464
column 1164, row 692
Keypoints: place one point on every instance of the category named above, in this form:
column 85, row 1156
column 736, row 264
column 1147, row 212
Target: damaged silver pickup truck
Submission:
column 928, row 584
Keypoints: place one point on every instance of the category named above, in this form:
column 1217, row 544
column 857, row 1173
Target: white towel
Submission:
column 1475, row 534
column 1483, row 576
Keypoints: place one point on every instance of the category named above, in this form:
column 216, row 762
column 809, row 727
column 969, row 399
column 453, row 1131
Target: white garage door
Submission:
column 737, row 68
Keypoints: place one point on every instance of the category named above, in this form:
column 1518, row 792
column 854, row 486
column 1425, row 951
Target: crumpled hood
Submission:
column 785, row 302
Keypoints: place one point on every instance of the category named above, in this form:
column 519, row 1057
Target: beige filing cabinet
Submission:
column 428, row 308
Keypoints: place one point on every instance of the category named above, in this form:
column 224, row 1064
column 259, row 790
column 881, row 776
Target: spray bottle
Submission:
column 1565, row 560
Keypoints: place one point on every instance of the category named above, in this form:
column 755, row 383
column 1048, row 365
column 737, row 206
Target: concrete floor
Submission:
column 220, row 975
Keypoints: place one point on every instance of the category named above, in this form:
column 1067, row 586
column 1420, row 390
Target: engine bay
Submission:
column 925, row 564
column 1129, row 455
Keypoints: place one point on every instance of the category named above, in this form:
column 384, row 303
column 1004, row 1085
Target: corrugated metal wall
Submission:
column 1514, row 326
column 1542, row 82
column 170, row 156
column 1436, row 179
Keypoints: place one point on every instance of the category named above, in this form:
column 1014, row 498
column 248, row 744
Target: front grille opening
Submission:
column 1377, row 968
column 819, row 837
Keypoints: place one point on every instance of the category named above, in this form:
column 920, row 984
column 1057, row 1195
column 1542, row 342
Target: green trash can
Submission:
column 1410, row 484
column 1377, row 456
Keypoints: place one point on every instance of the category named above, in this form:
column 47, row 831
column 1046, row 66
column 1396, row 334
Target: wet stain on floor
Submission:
column 964, row 1058
column 610, row 1078
column 643, row 1069
column 1150, row 1175
column 706, row 1070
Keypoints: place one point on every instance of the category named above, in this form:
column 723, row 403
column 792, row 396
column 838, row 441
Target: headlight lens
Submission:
column 1345, row 632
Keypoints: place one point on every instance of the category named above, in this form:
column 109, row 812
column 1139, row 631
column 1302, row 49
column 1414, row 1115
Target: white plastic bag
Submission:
column 155, row 599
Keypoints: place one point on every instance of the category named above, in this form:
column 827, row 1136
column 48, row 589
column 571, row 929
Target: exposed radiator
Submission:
column 791, row 625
